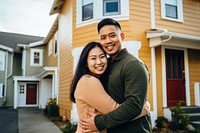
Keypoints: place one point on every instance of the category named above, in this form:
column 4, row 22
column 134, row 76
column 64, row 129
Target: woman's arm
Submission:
column 93, row 93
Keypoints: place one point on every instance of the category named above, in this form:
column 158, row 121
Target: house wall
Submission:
column 134, row 29
column 159, row 78
column 33, row 70
column 194, row 71
column 191, row 19
column 65, row 58
column 51, row 60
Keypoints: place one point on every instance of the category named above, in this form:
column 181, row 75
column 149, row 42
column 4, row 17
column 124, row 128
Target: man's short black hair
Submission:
column 107, row 21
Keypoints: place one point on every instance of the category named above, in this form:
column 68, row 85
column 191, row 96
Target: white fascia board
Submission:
column 25, row 78
column 38, row 43
column 6, row 48
column 184, row 36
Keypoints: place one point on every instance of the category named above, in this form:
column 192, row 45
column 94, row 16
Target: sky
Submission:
column 29, row 17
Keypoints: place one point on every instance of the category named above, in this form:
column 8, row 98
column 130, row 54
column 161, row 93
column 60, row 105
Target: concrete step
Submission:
column 196, row 124
column 191, row 109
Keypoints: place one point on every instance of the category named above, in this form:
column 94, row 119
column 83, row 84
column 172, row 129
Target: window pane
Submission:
column 87, row 12
column 171, row 11
column 36, row 57
column 111, row 7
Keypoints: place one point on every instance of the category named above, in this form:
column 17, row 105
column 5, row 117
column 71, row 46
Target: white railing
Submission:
column 197, row 93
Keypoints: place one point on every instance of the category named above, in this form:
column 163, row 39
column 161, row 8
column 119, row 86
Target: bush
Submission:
column 52, row 108
column 69, row 128
column 179, row 120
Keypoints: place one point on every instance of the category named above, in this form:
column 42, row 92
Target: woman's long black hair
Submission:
column 82, row 68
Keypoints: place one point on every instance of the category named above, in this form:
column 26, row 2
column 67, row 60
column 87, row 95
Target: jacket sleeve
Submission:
column 94, row 94
column 135, row 78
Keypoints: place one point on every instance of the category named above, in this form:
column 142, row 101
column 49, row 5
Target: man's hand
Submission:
column 88, row 124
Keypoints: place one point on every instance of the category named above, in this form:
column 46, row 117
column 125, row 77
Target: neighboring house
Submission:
column 29, row 74
column 165, row 34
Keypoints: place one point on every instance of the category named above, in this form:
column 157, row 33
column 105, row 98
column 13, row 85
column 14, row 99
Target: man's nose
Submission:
column 108, row 39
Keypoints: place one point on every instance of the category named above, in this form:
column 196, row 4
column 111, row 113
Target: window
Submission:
column 1, row 90
column 92, row 11
column 87, row 10
column 2, row 61
column 56, row 43
column 50, row 48
column 111, row 7
column 21, row 89
column 172, row 10
column 36, row 57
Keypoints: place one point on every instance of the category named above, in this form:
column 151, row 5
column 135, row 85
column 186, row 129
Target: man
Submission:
column 127, row 85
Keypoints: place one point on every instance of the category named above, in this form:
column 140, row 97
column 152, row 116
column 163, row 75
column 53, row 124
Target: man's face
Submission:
column 111, row 39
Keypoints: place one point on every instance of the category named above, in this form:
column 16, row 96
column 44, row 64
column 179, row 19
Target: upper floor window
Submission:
column 111, row 7
column 92, row 11
column 87, row 10
column 2, row 61
column 56, row 43
column 50, row 47
column 36, row 57
column 172, row 10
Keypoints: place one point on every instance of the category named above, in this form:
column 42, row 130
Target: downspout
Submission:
column 153, row 61
column 5, row 84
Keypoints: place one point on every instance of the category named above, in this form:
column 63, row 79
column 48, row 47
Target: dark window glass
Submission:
column 87, row 12
column 111, row 7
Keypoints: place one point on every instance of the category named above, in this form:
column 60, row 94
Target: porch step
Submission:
column 194, row 113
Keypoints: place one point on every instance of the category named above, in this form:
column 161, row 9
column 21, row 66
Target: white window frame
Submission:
column 98, row 12
column 179, row 11
column 1, row 90
column 40, row 57
column 2, row 60
column 50, row 48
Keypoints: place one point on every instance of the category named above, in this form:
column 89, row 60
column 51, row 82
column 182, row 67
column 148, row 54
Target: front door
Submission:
column 175, row 76
column 31, row 94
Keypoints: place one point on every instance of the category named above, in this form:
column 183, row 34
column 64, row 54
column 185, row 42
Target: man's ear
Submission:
column 122, row 36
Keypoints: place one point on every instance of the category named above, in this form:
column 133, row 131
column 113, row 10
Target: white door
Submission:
column 21, row 94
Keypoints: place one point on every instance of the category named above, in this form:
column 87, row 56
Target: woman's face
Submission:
column 97, row 61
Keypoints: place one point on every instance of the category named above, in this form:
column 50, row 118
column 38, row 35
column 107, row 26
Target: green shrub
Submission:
column 69, row 128
column 179, row 120
column 52, row 108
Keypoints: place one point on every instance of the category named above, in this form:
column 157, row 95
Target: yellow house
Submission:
column 165, row 34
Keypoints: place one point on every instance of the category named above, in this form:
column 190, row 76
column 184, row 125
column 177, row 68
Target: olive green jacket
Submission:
column 127, row 85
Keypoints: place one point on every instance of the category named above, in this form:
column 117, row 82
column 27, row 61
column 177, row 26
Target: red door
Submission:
column 175, row 76
column 31, row 94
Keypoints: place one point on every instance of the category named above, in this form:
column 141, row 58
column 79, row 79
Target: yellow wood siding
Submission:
column 51, row 60
column 194, row 71
column 65, row 58
column 159, row 79
column 191, row 19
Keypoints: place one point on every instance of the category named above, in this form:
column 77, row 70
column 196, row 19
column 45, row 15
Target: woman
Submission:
column 86, row 89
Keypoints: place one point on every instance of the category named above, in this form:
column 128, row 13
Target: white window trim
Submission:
column 98, row 14
column 1, row 90
column 50, row 47
column 40, row 58
column 180, row 11
column 2, row 56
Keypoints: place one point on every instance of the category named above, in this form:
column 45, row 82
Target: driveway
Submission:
column 8, row 120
